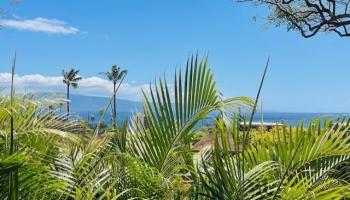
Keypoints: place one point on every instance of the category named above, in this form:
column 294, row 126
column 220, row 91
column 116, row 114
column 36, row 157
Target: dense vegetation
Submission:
column 45, row 156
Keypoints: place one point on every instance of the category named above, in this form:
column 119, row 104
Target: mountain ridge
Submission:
column 82, row 103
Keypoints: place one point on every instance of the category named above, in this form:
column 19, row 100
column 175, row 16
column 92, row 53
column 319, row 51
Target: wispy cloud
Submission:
column 40, row 24
column 93, row 85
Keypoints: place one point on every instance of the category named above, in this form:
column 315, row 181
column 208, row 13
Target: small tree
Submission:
column 116, row 75
column 309, row 17
column 70, row 78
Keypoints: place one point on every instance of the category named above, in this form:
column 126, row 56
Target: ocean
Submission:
column 291, row 119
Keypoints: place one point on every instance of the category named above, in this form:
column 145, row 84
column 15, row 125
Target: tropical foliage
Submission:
column 153, row 157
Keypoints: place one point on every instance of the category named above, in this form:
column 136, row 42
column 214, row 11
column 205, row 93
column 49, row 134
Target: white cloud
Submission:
column 40, row 24
column 94, row 86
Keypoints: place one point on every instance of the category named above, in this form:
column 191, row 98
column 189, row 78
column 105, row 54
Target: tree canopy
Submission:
column 309, row 17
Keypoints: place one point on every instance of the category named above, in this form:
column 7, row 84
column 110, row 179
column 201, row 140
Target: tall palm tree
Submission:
column 70, row 78
column 116, row 75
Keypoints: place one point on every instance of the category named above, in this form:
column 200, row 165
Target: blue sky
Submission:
column 151, row 37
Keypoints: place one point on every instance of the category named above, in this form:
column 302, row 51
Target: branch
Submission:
column 310, row 17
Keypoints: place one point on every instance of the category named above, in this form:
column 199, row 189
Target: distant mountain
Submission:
column 81, row 103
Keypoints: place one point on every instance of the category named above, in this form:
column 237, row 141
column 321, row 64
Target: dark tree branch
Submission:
column 310, row 17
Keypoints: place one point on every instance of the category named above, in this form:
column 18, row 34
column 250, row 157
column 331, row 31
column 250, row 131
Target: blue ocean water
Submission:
column 292, row 119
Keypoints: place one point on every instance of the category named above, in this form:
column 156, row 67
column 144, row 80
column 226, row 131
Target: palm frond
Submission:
column 171, row 119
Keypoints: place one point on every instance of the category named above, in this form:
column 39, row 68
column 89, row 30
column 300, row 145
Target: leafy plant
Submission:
column 45, row 156
column 165, row 142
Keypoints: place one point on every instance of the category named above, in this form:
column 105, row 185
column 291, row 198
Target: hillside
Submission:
column 81, row 103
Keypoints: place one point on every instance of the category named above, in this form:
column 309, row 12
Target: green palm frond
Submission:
column 9, row 163
column 38, row 134
column 120, row 136
column 223, row 176
column 305, row 189
column 70, row 77
column 115, row 74
column 171, row 118
column 292, row 164
column 74, row 85
column 76, row 79
column 312, row 153
column 317, row 145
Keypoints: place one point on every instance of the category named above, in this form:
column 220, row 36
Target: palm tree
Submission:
column 70, row 78
column 116, row 75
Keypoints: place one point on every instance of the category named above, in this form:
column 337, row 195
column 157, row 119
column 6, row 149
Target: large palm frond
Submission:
column 311, row 154
column 292, row 164
column 37, row 134
column 171, row 115
column 92, row 169
column 305, row 188
column 310, row 149
column 223, row 176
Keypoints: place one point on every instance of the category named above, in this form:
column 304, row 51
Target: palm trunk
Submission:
column 67, row 102
column 114, row 107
